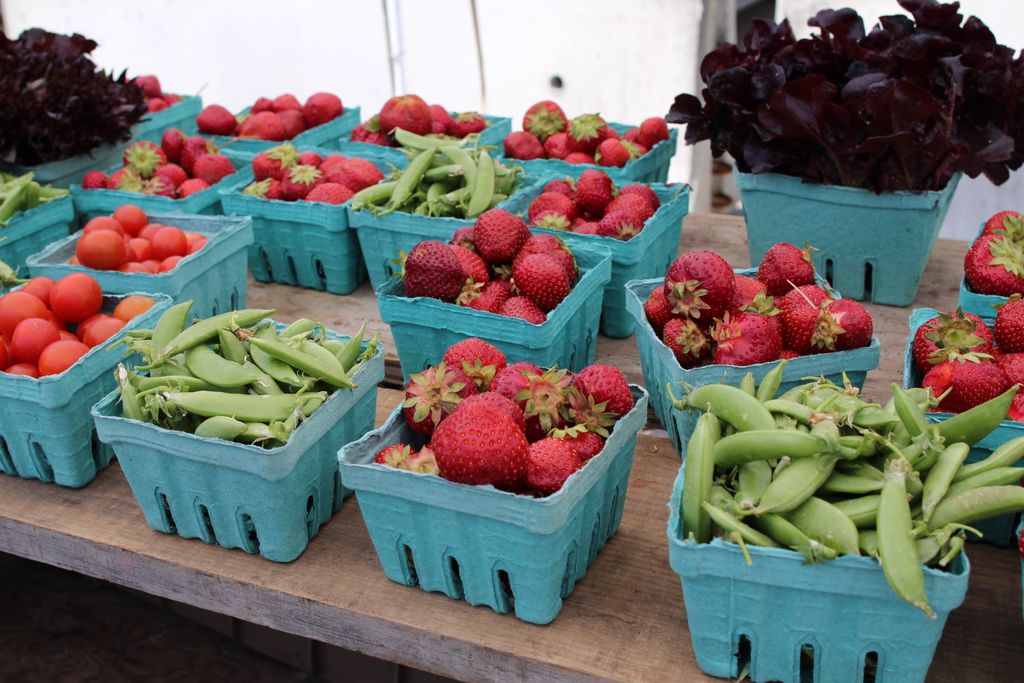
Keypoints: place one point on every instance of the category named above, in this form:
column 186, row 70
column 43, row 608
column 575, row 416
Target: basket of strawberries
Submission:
column 166, row 110
column 994, row 265
column 704, row 323
column 497, row 483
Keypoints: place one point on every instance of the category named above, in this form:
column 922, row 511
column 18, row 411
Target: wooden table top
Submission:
column 624, row 621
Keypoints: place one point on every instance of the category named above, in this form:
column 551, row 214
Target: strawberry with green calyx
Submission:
column 481, row 445
column 431, row 269
column 969, row 381
column 495, row 400
column 499, row 235
column 689, row 344
column 594, row 191
column 785, row 266
column 747, row 288
column 268, row 188
column 463, row 237
column 585, row 412
column 432, row 394
column 586, row 132
column 854, row 321
column 479, row 360
column 125, row 179
column 995, row 265
column 473, row 267
column 173, row 173
column 1009, row 224
column 298, row 180
column 395, row 455
column 555, row 248
column 551, row 462
column 657, row 310
column 95, row 180
column 1009, row 325
column 620, row 225
column 544, row 119
column 586, row 443
column 556, row 210
column 144, row 158
column 544, row 401
column 612, row 152
column 949, row 336
column 522, row 307
column 159, row 186
column 524, row 146
column 369, row 132
column 746, row 339
column 700, row 285
column 514, row 378
column 799, row 316
column 467, row 123
column 423, row 462
column 557, row 146
column 542, row 279
column 634, row 149
column 605, row 384
column 489, row 296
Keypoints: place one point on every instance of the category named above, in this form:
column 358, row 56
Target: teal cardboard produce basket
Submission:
column 266, row 501
column 650, row 168
column 870, row 247
column 46, row 431
column 647, row 255
column 214, row 277
column 326, row 135
column 423, row 328
column 491, row 136
column 181, row 115
column 489, row 547
column 67, row 172
column 660, row 366
column 781, row 619
column 982, row 305
column 997, row 530
column 30, row 231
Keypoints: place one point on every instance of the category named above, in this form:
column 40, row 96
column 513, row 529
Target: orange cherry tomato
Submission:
column 102, row 330
column 131, row 218
column 103, row 223
column 31, row 337
column 60, row 355
column 132, row 306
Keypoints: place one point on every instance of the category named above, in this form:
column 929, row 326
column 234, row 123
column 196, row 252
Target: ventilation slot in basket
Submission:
column 165, row 513
column 338, row 492
column 250, row 540
column 44, row 470
column 321, row 275
column 828, row 270
column 506, row 598
column 234, row 299
column 6, row 463
column 455, row 578
column 569, row 578
column 312, row 515
column 265, row 260
column 410, row 566
column 595, row 540
column 97, row 451
column 743, row 651
column 206, row 524
column 806, row 663
column 614, row 512
column 292, row 270
column 871, row 667
column 869, row 276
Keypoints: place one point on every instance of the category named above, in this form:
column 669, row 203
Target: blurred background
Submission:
column 624, row 60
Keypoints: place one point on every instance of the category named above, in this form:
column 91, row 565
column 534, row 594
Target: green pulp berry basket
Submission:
column 765, row 618
column 326, row 135
column 646, row 255
column 214, row 277
column 423, row 328
column 485, row 546
column 996, row 530
column 46, row 431
column 270, row 502
column 29, row 231
column 660, row 366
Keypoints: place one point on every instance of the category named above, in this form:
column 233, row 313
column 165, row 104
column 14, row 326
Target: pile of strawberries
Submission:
column 284, row 173
column 592, row 205
column 281, row 118
column 156, row 98
column 35, row 339
column 517, row 427
column 128, row 242
column 495, row 265
column 586, row 139
column 180, row 166
column 965, row 362
column 413, row 114
column 707, row 314
column 995, row 262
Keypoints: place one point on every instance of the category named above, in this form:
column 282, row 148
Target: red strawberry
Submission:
column 552, row 210
column 299, row 180
column 657, row 310
column 212, row 168
column 1013, row 366
column 557, row 146
column 587, row 228
column 432, row 395
column 784, row 264
column 524, row 146
column 395, row 455
column 505, row 405
column 633, row 204
column 472, row 265
column 746, row 289
column 542, row 243
column 356, row 174
column 621, row 225
column 995, row 265
column 268, row 188
column 521, row 307
column 172, row 173
column 1008, row 223
column 273, row 162
column 125, row 179
column 1009, row 326
column 478, row 359
column 746, row 339
column 158, row 185
column 292, row 121
column 464, row 238
column 788, row 355
column 632, row 135
column 542, row 279
column 320, row 108
column 800, row 309
column 440, row 120
column 261, row 104
column 971, row 383
column 855, row 322
column 468, row 123
column 150, row 86
column 285, row 101
column 408, row 112
column 157, row 104
column 949, row 336
column 612, row 152
column 605, row 384
column 579, row 158
column 481, row 445
column 195, row 147
column 191, row 186
column 644, row 191
column 652, row 131
column 311, row 159
column 431, row 269
column 499, row 236
column 700, row 285
column 216, row 120
column 594, row 191
column 369, row 132
column 562, row 186
column 264, row 126
column 172, row 142
column 144, row 158
column 551, row 462
column 543, row 397
column 586, row 132
column 544, row 119
column 690, row 345
column 330, row 193
column 95, row 180
column 587, row 444
column 332, row 161
column 490, row 297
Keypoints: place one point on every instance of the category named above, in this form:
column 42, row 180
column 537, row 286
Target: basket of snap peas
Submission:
column 31, row 216
column 229, row 431
column 830, row 527
column 444, row 187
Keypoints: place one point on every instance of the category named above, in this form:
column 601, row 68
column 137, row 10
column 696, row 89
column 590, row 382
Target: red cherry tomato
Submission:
column 131, row 218
column 17, row 306
column 135, row 267
column 197, row 245
column 75, row 297
column 83, row 326
column 52, row 317
column 169, row 264
column 168, row 241
column 39, row 287
column 60, row 355
column 103, row 223
column 140, row 249
column 26, row 369
column 4, row 362
column 149, row 230
column 31, row 337
column 102, row 330
column 64, row 334
column 102, row 250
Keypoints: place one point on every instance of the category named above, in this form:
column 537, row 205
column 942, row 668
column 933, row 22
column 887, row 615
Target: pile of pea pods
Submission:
column 236, row 376
column 825, row 473
column 443, row 178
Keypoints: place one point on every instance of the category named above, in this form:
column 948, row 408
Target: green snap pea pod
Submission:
column 796, row 394
column 748, row 385
column 179, row 382
column 497, row 199
column 721, row 498
column 205, row 330
column 366, row 354
column 941, row 476
column 420, row 142
column 797, row 411
column 850, row 484
column 298, row 359
column 873, row 417
column 975, row 504
column 410, row 178
column 131, row 408
column 754, row 478
column 209, row 366
column 972, row 425
column 256, row 432
column 863, row 446
column 349, row 353
column 483, row 186
column 862, row 469
column 244, row 407
column 956, row 546
column 698, row 478
column 231, row 347
column 914, row 485
column 460, row 157
column 434, row 193
column 770, row 383
column 766, row 444
column 897, row 547
column 782, row 531
column 1005, row 456
column 823, row 522
column 862, row 511
column 868, row 540
column 263, row 383
column 171, row 323
column 321, row 353
column 300, row 326
column 1000, row 476
column 374, row 195
column 800, row 480
column 928, row 548
column 733, row 405
column 909, row 412
column 278, row 370
column 440, row 173
column 731, row 524
column 173, row 368
column 220, row 427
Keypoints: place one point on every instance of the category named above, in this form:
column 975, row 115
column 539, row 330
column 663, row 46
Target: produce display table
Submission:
column 625, row 619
